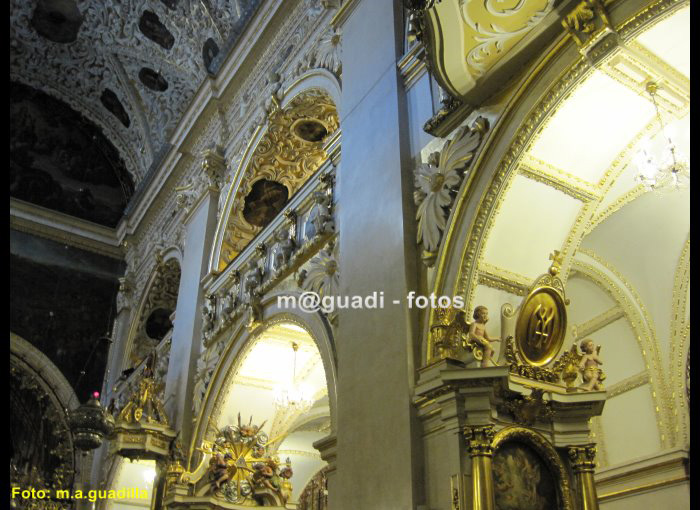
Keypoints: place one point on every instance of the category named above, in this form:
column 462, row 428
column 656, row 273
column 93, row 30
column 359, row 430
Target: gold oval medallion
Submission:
column 541, row 326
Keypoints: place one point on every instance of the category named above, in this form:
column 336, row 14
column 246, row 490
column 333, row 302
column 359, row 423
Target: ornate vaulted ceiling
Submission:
column 130, row 68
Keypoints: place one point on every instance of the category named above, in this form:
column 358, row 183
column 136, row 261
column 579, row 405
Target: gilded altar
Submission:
column 515, row 433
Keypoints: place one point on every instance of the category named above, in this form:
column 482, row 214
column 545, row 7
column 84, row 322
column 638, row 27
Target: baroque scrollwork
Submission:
column 213, row 167
column 528, row 409
column 582, row 458
column 289, row 152
column 581, row 21
column 479, row 439
column 437, row 181
column 153, row 321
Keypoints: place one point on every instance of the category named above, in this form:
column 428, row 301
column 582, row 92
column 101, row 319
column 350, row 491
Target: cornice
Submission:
column 56, row 226
column 412, row 65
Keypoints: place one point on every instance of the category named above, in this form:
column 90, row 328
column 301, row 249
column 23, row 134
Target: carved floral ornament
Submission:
column 289, row 152
column 437, row 182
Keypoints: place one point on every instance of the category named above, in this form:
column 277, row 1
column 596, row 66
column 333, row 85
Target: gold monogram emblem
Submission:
column 541, row 326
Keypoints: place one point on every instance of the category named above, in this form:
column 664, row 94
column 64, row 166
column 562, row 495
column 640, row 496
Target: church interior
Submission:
column 349, row 254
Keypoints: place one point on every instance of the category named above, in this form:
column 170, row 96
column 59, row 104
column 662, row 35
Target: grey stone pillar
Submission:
column 376, row 457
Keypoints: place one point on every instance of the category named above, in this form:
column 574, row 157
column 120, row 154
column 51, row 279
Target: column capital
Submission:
column 479, row 439
column 582, row 458
column 214, row 166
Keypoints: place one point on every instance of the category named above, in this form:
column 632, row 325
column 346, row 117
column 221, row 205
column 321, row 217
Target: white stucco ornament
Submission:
column 432, row 195
column 437, row 181
column 328, row 51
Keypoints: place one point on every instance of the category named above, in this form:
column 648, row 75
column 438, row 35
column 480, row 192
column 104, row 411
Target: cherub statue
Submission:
column 285, row 248
column 219, row 469
column 478, row 334
column 588, row 366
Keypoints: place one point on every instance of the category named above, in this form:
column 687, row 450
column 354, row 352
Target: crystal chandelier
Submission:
column 667, row 172
column 293, row 396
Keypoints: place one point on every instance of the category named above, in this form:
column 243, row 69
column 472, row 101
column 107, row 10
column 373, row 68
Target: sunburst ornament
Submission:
column 322, row 275
column 241, row 467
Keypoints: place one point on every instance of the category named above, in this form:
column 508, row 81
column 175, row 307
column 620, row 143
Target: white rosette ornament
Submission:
column 437, row 182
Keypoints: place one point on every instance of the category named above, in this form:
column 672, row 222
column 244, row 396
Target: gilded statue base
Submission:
column 142, row 440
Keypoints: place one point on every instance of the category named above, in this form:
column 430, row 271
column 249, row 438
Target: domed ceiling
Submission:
column 123, row 69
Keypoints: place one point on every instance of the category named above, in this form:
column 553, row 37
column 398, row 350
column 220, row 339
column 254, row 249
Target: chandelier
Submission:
column 668, row 171
column 293, row 396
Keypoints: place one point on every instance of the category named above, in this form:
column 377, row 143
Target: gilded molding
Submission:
column 282, row 156
column 597, row 435
column 598, row 322
column 655, row 12
column 545, row 173
column 643, row 332
column 492, row 199
column 635, row 66
column 502, row 279
column 618, row 204
column 679, row 361
column 494, row 196
column 629, row 384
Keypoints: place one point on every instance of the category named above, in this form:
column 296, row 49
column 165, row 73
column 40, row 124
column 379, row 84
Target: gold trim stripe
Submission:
column 644, row 487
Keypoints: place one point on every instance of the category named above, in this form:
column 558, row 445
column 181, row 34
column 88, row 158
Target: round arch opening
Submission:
column 566, row 180
column 282, row 359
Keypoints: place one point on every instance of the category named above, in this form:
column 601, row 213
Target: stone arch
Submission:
column 158, row 302
column 286, row 152
column 526, row 197
column 27, row 359
column 462, row 264
column 240, row 339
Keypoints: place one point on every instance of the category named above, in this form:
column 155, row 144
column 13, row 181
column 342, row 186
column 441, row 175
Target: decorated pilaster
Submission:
column 479, row 440
column 583, row 463
column 199, row 200
column 120, row 332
